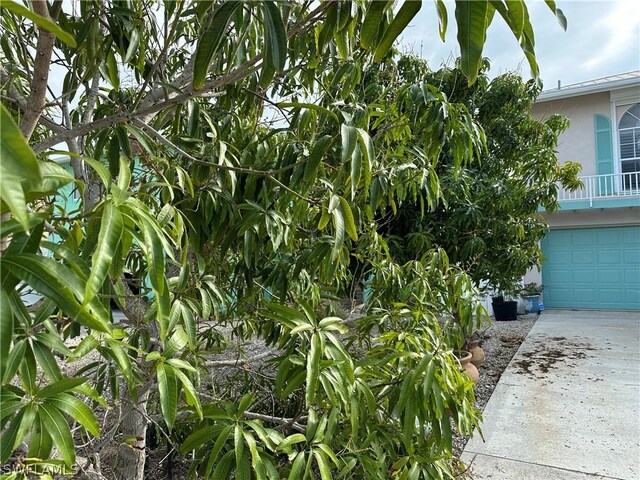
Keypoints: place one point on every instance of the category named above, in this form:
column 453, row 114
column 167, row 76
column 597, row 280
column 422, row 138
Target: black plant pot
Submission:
column 505, row 311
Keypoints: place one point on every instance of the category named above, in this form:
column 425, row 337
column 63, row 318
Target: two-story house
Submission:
column 592, row 251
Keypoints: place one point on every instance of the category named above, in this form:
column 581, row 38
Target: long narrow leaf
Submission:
column 471, row 17
column 406, row 13
column 211, row 40
column 371, row 23
column 39, row 20
column 6, row 330
column 275, row 37
column 111, row 228
column 19, row 168
column 77, row 410
column 168, row 390
column 58, row 428
column 58, row 283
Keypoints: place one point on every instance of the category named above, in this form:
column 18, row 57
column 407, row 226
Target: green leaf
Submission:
column 221, row 441
column 111, row 228
column 224, row 466
column 6, row 330
column 42, row 22
column 19, row 168
column 406, row 13
column 275, row 37
column 315, row 157
column 472, row 19
column 190, row 392
column 58, row 283
column 349, row 140
column 77, row 410
column 176, row 343
column 211, row 40
column 134, row 42
column 298, row 466
column 200, row 437
column 168, row 390
column 313, row 368
column 114, row 155
column 325, row 472
column 338, row 225
column 256, row 462
column 28, row 370
column 558, row 13
column 13, row 361
column 310, row 106
column 47, row 361
column 443, row 18
column 349, row 222
column 242, row 458
column 40, row 444
column 112, row 70
column 28, row 418
column 371, row 23
column 59, row 430
column 53, row 177
column 60, row 386
column 8, row 437
column 366, row 147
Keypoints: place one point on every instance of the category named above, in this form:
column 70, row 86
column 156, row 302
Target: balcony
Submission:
column 603, row 191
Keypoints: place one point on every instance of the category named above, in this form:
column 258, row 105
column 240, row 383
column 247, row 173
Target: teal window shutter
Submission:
column 604, row 153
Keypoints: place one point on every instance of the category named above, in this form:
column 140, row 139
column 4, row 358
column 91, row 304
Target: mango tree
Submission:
column 226, row 175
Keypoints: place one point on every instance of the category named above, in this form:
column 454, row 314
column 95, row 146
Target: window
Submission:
column 629, row 131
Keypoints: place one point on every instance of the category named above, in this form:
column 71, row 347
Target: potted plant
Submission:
column 504, row 309
column 531, row 296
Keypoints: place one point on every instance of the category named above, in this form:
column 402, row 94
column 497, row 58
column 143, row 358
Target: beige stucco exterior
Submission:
column 577, row 143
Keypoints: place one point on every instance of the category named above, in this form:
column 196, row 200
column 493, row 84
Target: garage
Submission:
column 595, row 268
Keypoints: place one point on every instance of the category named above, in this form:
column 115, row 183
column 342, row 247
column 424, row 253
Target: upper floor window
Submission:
column 629, row 131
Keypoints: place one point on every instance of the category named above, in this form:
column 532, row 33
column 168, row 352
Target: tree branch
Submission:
column 44, row 48
column 152, row 104
column 15, row 97
column 264, row 173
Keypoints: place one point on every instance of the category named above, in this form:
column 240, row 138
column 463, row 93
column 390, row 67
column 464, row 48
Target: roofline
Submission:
column 568, row 92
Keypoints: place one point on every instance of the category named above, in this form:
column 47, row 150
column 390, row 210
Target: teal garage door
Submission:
column 592, row 268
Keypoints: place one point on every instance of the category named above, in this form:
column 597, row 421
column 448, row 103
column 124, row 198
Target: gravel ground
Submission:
column 500, row 341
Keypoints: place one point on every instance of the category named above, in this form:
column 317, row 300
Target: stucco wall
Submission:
column 578, row 142
column 594, row 217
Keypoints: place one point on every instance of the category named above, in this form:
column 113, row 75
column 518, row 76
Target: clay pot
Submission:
column 477, row 354
column 469, row 368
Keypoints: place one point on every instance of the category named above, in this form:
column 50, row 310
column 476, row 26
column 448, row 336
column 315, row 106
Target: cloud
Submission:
column 602, row 38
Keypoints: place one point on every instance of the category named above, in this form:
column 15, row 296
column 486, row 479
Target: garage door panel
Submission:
column 582, row 276
column 631, row 255
column 579, row 240
column 608, row 257
column 582, row 257
column 560, row 276
column 608, row 238
column 631, row 238
column 592, row 268
column 632, row 295
column 610, row 276
column 583, row 294
column 631, row 277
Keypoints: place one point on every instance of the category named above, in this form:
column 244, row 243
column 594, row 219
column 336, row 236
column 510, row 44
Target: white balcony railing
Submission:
column 598, row 187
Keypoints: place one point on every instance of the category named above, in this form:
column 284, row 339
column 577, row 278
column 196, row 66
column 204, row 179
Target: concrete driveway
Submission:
column 568, row 405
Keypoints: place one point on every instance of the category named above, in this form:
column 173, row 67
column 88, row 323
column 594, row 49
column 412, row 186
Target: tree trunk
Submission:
column 131, row 452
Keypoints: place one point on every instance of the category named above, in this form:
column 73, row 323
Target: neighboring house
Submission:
column 592, row 251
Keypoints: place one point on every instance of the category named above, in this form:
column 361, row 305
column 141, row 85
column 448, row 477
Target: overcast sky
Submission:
column 602, row 38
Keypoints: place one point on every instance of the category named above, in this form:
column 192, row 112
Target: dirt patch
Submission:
column 550, row 353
